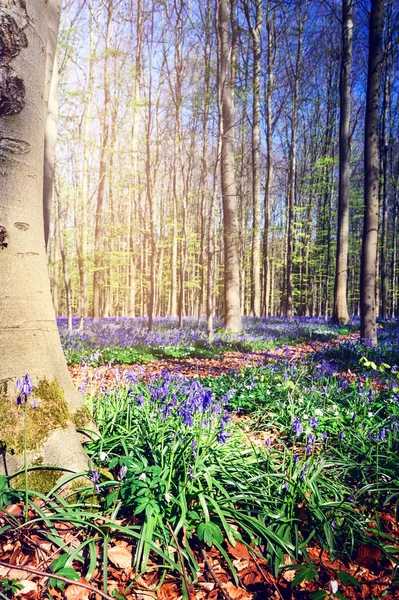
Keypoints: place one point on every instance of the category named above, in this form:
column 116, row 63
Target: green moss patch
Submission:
column 39, row 480
column 51, row 413
column 82, row 417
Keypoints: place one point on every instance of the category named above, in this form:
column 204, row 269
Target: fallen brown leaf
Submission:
column 120, row 556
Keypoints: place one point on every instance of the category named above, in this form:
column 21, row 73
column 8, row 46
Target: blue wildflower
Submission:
column 297, row 427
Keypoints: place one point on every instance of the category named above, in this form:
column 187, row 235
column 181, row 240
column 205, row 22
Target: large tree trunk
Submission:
column 29, row 337
column 340, row 310
column 368, row 329
column 230, row 221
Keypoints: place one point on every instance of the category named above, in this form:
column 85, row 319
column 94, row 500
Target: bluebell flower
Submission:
column 297, row 427
column 324, row 436
column 342, row 436
column 25, row 386
column 122, row 472
column 313, row 422
column 96, row 479
column 304, row 470
column 193, row 447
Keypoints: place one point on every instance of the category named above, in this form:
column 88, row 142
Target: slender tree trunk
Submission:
column 255, row 30
column 340, row 309
column 270, row 27
column 131, row 292
column 230, row 221
column 67, row 283
column 288, row 304
column 384, row 190
column 368, row 329
column 98, row 241
column 149, row 193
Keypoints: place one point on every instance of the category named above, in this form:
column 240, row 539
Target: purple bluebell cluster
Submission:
column 132, row 332
column 174, row 395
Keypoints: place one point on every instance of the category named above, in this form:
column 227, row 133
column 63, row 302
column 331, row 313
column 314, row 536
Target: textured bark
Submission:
column 230, row 221
column 29, row 337
column 368, row 329
column 340, row 309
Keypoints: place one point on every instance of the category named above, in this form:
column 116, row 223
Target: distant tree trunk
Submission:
column 271, row 57
column 67, row 283
column 204, row 159
column 98, row 239
column 230, row 221
column 384, row 190
column 255, row 30
column 131, row 292
column 288, row 304
column 51, row 104
column 81, row 211
column 149, row 193
column 368, row 329
column 340, row 309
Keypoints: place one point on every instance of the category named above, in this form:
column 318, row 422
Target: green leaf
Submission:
column 348, row 579
column 209, row 532
column 319, row 595
column 59, row 562
column 69, row 573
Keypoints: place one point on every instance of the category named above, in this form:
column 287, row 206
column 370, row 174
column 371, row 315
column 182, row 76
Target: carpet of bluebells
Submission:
column 294, row 459
column 128, row 341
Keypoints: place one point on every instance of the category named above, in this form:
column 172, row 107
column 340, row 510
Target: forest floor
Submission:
column 93, row 377
column 28, row 553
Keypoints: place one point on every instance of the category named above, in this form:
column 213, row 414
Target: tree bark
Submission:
column 51, row 107
column 368, row 329
column 98, row 241
column 231, row 259
column 340, row 309
column 288, row 304
column 255, row 30
column 271, row 57
column 29, row 337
